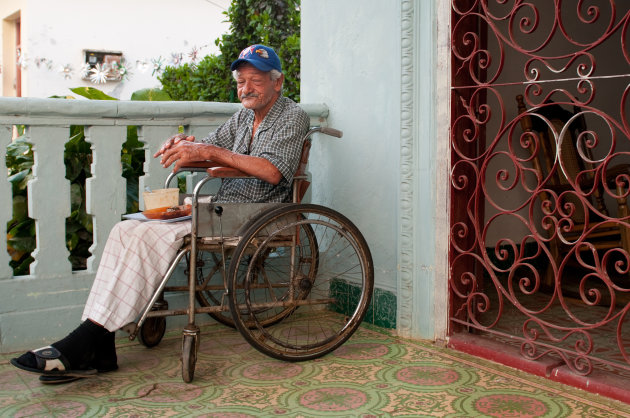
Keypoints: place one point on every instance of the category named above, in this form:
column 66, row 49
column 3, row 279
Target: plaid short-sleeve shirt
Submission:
column 278, row 139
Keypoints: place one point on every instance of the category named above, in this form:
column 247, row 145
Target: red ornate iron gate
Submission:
column 540, row 229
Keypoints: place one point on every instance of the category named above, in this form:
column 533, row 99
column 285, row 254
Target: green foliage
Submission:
column 77, row 159
column 151, row 95
column 92, row 93
column 205, row 82
column 132, row 159
column 271, row 22
column 21, row 229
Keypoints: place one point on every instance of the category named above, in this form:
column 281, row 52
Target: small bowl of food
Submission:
column 168, row 212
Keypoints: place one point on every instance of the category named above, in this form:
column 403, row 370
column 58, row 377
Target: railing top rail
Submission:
column 14, row 109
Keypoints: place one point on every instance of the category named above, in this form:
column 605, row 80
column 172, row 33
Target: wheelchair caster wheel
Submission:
column 152, row 331
column 190, row 345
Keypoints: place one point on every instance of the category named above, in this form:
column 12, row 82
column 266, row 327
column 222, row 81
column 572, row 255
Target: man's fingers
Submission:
column 180, row 162
column 172, row 155
column 183, row 137
column 164, row 147
column 168, row 158
column 172, row 141
column 159, row 152
column 179, row 154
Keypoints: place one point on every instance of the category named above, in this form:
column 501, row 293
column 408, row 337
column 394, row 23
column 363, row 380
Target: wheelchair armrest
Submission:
column 227, row 172
column 198, row 166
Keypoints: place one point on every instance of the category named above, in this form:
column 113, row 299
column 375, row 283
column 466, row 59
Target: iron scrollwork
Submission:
column 540, row 177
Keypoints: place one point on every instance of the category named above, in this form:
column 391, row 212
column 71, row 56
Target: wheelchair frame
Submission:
column 299, row 281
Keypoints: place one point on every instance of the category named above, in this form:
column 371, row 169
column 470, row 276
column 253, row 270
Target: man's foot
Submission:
column 73, row 356
column 105, row 360
column 50, row 361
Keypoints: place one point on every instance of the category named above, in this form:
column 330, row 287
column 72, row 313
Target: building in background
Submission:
column 116, row 46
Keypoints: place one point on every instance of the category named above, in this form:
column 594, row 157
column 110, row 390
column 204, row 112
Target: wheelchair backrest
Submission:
column 300, row 182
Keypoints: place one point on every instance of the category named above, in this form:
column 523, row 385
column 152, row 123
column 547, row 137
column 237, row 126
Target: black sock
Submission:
column 105, row 354
column 78, row 347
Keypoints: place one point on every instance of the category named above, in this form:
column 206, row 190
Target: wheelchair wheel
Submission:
column 190, row 345
column 211, row 276
column 152, row 331
column 300, row 256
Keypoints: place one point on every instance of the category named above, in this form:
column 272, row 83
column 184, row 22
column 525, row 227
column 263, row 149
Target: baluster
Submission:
column 153, row 137
column 49, row 200
column 105, row 191
column 6, row 207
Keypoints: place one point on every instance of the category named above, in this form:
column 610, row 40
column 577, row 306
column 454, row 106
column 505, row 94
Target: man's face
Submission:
column 255, row 88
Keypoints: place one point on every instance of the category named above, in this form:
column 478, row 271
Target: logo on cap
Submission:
column 246, row 52
column 262, row 53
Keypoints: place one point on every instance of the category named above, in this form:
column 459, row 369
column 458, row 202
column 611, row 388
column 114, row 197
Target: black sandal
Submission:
column 50, row 362
column 57, row 380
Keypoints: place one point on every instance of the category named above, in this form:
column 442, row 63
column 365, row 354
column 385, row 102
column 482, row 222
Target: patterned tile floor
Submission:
column 375, row 374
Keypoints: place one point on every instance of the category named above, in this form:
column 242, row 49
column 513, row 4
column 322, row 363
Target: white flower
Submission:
column 176, row 59
column 194, row 54
column 39, row 62
column 67, row 71
column 123, row 72
column 98, row 74
column 157, row 65
column 84, row 72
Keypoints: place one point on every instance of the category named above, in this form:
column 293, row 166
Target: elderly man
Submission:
column 263, row 140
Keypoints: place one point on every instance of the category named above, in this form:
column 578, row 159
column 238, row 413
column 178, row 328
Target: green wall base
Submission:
column 382, row 309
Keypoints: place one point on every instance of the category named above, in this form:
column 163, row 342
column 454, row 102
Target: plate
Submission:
column 168, row 212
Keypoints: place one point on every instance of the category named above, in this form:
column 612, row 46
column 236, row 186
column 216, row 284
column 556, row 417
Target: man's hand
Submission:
column 185, row 152
column 173, row 141
column 180, row 150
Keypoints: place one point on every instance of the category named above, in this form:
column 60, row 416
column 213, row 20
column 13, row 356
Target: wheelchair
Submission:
column 294, row 279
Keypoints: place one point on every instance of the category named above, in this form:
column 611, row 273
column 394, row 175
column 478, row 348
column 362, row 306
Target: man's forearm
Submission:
column 255, row 166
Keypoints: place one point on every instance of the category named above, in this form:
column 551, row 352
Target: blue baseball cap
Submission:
column 260, row 56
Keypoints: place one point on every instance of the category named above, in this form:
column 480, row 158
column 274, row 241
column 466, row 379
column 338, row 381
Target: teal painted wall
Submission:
column 351, row 62
column 372, row 62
